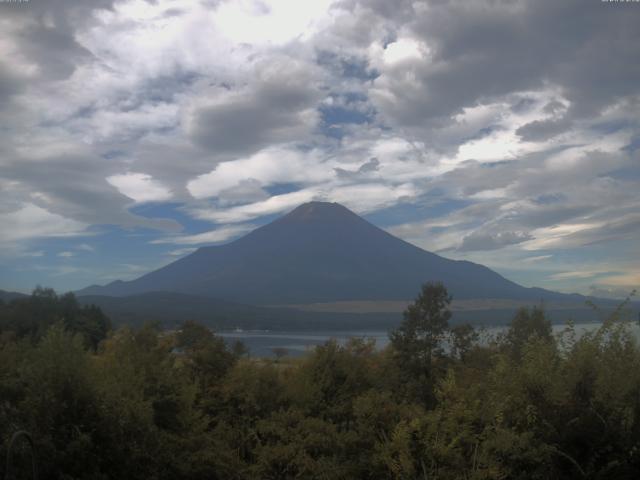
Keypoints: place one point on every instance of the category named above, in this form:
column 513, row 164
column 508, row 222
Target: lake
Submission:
column 261, row 343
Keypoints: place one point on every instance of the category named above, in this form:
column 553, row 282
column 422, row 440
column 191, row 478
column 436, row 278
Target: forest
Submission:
column 439, row 402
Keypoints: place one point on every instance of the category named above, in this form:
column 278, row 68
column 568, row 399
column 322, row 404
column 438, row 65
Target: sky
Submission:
column 501, row 132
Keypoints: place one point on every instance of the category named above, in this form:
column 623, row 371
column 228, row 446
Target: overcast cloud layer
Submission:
column 502, row 132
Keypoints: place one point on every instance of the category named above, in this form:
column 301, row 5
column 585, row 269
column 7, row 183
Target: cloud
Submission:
column 362, row 198
column 267, row 167
column 242, row 213
column 68, row 183
column 214, row 236
column 537, row 258
column 577, row 274
column 181, row 251
column 626, row 278
column 275, row 22
column 30, row 221
column 245, row 191
column 34, row 254
column 543, row 129
column 473, row 53
column 573, row 235
column 369, row 197
column 10, row 84
column 370, row 166
column 279, row 105
column 44, row 34
column 140, row 187
column 492, row 241
column 613, row 291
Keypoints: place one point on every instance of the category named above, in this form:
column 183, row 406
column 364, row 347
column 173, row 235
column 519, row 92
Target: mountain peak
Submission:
column 318, row 212
column 315, row 207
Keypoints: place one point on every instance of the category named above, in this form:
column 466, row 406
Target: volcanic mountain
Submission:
column 321, row 252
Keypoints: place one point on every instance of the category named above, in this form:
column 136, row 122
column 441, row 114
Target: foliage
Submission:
column 462, row 339
column 32, row 316
column 528, row 323
column 150, row 404
column 419, row 338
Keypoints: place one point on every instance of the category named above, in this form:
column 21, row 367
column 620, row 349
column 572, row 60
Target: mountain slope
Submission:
column 6, row 296
column 320, row 252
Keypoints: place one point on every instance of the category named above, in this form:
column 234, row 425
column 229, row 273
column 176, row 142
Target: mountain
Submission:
column 321, row 252
column 8, row 296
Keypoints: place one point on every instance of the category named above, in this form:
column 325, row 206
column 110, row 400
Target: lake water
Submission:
column 262, row 343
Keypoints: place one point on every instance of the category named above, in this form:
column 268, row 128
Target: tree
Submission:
column 193, row 335
column 32, row 316
column 528, row 323
column 419, row 337
column 206, row 353
column 462, row 338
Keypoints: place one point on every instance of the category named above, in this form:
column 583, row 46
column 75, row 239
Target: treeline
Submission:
column 149, row 404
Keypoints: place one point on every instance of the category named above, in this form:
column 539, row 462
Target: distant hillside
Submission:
column 322, row 252
column 8, row 296
column 172, row 309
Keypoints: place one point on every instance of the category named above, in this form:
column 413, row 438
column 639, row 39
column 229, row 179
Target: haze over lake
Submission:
column 263, row 343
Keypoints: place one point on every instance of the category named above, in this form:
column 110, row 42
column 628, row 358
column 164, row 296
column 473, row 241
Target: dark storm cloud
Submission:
column 483, row 50
column 54, row 50
column 62, row 12
column 67, row 185
column 279, row 106
column 10, row 84
column 399, row 11
column 46, row 32
column 540, row 130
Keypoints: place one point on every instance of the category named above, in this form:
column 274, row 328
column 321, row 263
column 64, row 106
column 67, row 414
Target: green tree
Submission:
column 419, row 337
column 461, row 339
column 528, row 323
column 206, row 354
column 32, row 316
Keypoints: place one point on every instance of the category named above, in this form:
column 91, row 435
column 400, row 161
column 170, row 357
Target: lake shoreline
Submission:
column 262, row 343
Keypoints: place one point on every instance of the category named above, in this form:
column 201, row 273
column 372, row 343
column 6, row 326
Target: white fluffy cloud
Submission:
column 30, row 221
column 211, row 237
column 140, row 187
column 268, row 167
column 242, row 213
